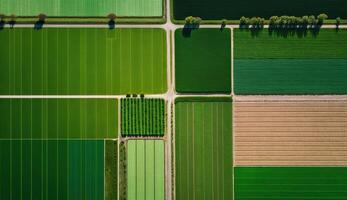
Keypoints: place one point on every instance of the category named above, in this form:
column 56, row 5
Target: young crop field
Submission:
column 52, row 169
column 203, row 61
column 204, row 163
column 142, row 117
column 285, row 183
column 146, row 169
column 84, row 8
column 82, row 61
column 272, row 64
column 58, row 118
column 233, row 9
column 111, row 169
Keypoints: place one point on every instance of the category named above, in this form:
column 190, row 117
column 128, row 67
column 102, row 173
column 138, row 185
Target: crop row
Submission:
column 142, row 117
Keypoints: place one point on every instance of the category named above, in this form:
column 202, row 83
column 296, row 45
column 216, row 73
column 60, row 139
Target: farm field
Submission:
column 82, row 61
column 198, row 69
column 52, row 169
column 271, row 64
column 287, row 183
column 203, row 137
column 142, row 117
column 232, row 9
column 111, row 169
column 146, row 169
column 281, row 133
column 58, row 118
column 83, row 8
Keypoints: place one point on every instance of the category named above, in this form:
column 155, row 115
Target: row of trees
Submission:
column 287, row 21
column 142, row 117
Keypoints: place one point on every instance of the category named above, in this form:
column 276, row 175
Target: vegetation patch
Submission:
column 203, row 60
column 111, row 169
column 143, row 117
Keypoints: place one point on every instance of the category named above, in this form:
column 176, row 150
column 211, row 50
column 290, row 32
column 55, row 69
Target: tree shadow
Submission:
column 38, row 25
column 222, row 27
column 12, row 23
column 2, row 24
column 111, row 24
column 300, row 31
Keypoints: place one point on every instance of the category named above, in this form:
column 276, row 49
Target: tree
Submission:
column 12, row 21
column 112, row 16
column 305, row 20
column 321, row 18
column 197, row 20
column 42, row 17
column 189, row 20
column 244, row 21
column 272, row 20
column 338, row 21
column 2, row 17
column 312, row 20
column 224, row 23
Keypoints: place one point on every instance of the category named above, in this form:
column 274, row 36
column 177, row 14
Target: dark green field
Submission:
column 58, row 118
column 142, row 117
column 272, row 64
column 204, row 163
column 203, row 61
column 82, row 61
column 233, row 9
column 287, row 183
column 51, row 169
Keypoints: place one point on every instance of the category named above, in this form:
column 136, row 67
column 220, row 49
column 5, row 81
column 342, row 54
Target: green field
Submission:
column 51, row 169
column 111, row 169
column 235, row 9
column 142, row 117
column 270, row 64
column 146, row 169
column 204, row 168
column 83, row 8
column 58, row 118
column 286, row 183
column 82, row 61
column 203, row 61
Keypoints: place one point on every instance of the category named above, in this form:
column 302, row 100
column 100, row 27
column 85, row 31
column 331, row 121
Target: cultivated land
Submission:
column 111, row 169
column 234, row 9
column 290, row 183
column 204, row 168
column 203, row 61
column 142, row 117
column 58, row 118
column 83, row 8
column 82, row 61
column 290, row 133
column 146, row 169
column 272, row 64
column 51, row 169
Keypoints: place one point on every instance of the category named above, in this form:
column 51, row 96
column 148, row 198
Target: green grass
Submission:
column 58, row 118
column 111, row 169
column 82, row 61
column 88, row 8
column 52, row 169
column 285, row 183
column 146, row 169
column 233, row 9
column 204, row 168
column 142, row 117
column 272, row 64
column 203, row 61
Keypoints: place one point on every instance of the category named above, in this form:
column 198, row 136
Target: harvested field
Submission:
column 83, row 8
column 203, row 61
column 82, row 61
column 58, row 118
column 269, row 64
column 142, row 117
column 290, row 133
column 203, row 137
column 288, row 183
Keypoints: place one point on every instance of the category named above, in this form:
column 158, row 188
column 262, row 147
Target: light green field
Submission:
column 51, row 169
column 82, row 61
column 58, row 118
column 146, row 170
column 84, row 8
column 204, row 168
